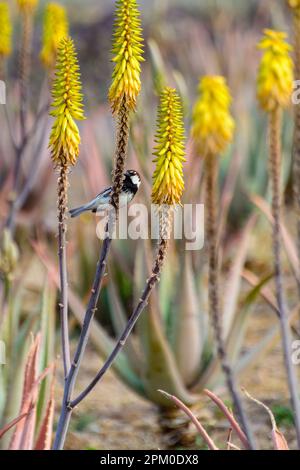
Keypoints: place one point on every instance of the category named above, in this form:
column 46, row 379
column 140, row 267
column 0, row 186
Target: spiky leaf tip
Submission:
column 127, row 55
column 27, row 6
column 294, row 3
column 213, row 126
column 67, row 106
column 5, row 30
column 55, row 28
column 168, row 182
column 276, row 72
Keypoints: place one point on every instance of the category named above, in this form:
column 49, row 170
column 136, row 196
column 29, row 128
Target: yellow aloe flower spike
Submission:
column 55, row 29
column 5, row 30
column 275, row 74
column 213, row 125
column 27, row 6
column 294, row 3
column 168, row 183
column 127, row 50
column 67, row 104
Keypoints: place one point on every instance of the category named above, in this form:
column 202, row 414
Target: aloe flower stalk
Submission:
column 126, row 84
column 127, row 49
column 64, row 144
column 274, row 91
column 212, row 131
column 5, row 35
column 55, row 28
column 170, row 135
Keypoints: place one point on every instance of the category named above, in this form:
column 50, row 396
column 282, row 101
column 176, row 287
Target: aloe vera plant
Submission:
column 16, row 334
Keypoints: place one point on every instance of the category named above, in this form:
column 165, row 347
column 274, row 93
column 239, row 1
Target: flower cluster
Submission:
column 55, row 29
column 168, row 183
column 127, row 50
column 5, row 30
column 213, row 125
column 67, row 104
column 275, row 74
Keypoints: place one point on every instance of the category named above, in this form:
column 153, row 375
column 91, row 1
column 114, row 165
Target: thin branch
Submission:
column 62, row 208
column 122, row 340
column 214, row 299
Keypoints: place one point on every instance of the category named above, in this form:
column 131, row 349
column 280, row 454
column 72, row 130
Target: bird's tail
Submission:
column 79, row 210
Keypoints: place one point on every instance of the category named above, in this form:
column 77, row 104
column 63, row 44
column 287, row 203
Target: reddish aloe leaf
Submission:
column 22, row 438
column 278, row 438
column 24, row 431
column 195, row 421
column 10, row 425
column 235, row 425
column 31, row 367
column 45, row 435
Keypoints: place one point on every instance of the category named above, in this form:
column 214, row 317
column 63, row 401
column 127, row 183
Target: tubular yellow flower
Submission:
column 27, row 6
column 275, row 74
column 168, row 184
column 294, row 3
column 127, row 50
column 67, row 104
column 55, row 29
column 5, row 30
column 213, row 125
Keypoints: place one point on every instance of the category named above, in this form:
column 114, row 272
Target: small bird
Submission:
column 131, row 185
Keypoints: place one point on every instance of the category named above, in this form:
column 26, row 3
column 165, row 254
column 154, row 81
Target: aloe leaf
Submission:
column 157, row 66
column 278, row 438
column 233, row 285
column 238, row 332
column 44, row 439
column 119, row 321
column 166, row 287
column 288, row 242
column 10, row 425
column 47, row 354
column 160, row 368
column 24, row 431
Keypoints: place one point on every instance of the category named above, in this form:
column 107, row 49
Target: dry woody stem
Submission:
column 275, row 175
column 214, row 301
column 121, row 152
column 68, row 404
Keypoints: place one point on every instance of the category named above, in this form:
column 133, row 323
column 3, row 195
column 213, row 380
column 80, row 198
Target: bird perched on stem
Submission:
column 131, row 185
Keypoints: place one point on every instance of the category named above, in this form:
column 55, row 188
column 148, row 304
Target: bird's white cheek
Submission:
column 136, row 180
